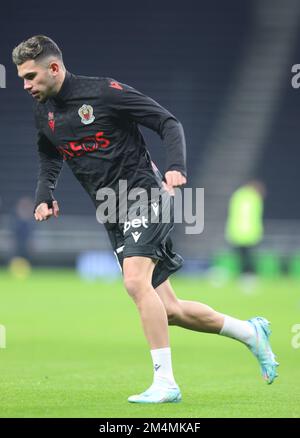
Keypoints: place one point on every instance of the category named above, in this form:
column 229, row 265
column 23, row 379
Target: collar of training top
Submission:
column 63, row 93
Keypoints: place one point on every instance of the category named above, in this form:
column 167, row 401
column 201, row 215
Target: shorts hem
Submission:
column 145, row 251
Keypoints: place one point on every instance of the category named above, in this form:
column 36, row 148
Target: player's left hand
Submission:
column 173, row 179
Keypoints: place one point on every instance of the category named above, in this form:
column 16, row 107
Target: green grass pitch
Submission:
column 76, row 349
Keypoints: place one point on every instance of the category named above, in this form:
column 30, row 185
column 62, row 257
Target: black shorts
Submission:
column 146, row 233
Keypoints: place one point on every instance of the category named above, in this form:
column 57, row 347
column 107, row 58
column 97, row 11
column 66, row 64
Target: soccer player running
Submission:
column 92, row 124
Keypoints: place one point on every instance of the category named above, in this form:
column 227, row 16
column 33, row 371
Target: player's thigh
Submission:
column 137, row 273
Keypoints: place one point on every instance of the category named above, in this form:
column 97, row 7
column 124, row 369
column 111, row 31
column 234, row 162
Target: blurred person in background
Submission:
column 22, row 227
column 92, row 124
column 244, row 228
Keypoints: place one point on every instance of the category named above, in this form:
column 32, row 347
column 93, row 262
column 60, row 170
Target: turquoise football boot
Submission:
column 157, row 394
column 261, row 348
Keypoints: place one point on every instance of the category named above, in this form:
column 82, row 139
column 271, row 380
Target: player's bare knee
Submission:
column 135, row 286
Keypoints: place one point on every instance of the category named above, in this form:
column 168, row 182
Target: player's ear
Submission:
column 54, row 67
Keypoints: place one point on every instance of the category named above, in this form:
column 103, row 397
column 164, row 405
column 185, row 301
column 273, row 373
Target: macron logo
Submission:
column 115, row 84
column 136, row 236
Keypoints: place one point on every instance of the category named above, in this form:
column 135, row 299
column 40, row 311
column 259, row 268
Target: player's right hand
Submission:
column 43, row 212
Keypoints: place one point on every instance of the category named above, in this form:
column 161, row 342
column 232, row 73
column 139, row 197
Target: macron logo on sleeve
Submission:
column 115, row 84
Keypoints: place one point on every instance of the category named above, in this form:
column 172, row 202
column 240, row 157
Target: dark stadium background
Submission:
column 223, row 68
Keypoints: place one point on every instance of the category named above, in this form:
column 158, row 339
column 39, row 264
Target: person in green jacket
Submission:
column 244, row 227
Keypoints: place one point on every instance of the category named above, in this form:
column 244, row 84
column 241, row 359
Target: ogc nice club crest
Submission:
column 86, row 114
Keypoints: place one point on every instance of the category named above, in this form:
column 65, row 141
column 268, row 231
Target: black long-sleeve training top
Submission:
column 92, row 123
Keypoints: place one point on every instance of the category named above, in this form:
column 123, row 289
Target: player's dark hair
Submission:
column 36, row 47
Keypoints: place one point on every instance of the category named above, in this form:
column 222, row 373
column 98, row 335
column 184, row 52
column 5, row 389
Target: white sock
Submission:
column 235, row 328
column 162, row 367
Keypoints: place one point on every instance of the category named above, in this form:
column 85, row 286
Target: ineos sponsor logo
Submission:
column 81, row 147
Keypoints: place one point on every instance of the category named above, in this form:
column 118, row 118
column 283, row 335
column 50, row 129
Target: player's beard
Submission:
column 42, row 98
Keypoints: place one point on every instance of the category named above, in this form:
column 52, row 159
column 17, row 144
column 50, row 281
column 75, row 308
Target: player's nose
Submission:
column 27, row 85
